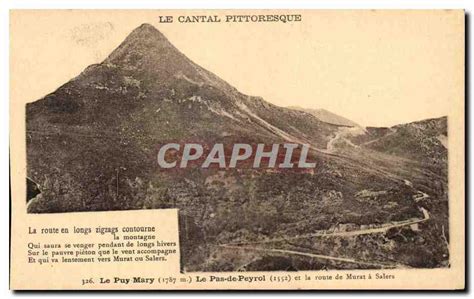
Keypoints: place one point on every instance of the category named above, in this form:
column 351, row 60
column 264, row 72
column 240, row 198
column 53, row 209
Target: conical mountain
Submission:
column 114, row 115
column 147, row 52
column 146, row 84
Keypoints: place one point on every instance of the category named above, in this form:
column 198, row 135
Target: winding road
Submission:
column 382, row 228
column 326, row 233
column 318, row 256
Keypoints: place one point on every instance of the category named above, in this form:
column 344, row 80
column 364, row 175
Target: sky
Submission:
column 376, row 68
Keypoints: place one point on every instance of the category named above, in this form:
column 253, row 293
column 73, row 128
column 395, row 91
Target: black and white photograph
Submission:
column 237, row 149
column 377, row 197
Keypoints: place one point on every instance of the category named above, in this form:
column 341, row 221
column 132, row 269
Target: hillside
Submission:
column 420, row 140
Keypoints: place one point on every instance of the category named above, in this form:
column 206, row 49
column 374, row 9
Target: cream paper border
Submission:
column 450, row 278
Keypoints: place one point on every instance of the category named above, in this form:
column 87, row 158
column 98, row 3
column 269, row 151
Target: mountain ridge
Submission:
column 327, row 116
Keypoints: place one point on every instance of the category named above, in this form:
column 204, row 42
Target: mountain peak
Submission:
column 146, row 53
column 146, row 30
column 145, row 40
